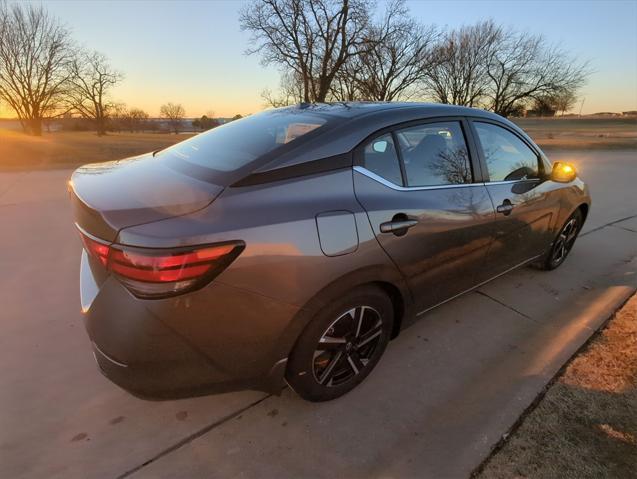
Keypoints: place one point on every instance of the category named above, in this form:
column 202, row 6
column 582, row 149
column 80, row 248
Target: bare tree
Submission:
column 90, row 83
column 345, row 84
column 35, row 52
column 542, row 105
column 458, row 72
column 174, row 113
column 290, row 92
column 138, row 119
column 395, row 63
column 310, row 38
column 501, row 69
column 132, row 120
column 521, row 67
column 565, row 100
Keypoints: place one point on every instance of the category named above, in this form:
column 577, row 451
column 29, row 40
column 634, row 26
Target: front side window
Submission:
column 234, row 145
column 507, row 156
column 380, row 157
column 435, row 154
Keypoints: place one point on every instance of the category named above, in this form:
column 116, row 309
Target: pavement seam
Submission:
column 506, row 306
column 624, row 228
column 612, row 223
column 192, row 437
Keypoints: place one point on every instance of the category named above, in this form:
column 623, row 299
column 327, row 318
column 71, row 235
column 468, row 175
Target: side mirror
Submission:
column 563, row 172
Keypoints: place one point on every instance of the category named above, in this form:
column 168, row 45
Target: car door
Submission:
column 425, row 202
column 526, row 207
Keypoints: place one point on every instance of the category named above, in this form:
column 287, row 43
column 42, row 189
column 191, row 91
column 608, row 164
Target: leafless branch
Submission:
column 311, row 39
column 35, row 52
column 90, row 81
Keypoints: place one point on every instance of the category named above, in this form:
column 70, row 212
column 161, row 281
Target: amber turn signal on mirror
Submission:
column 563, row 172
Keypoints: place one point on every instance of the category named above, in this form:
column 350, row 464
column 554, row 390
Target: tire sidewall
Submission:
column 299, row 373
column 549, row 264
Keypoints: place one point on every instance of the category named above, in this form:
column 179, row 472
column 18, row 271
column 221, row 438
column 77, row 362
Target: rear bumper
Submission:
column 215, row 340
column 165, row 380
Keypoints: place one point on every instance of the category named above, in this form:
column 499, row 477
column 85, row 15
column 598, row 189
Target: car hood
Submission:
column 117, row 194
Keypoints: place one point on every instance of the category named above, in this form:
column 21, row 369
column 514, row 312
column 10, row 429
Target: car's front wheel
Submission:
column 341, row 345
column 564, row 242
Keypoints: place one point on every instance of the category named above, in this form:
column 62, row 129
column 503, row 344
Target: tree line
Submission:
column 337, row 50
column 327, row 50
column 44, row 74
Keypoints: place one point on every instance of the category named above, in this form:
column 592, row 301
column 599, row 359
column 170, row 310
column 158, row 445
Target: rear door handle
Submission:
column 505, row 208
column 397, row 227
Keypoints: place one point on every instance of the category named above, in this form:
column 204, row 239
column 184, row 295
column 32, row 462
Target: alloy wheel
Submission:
column 347, row 346
column 565, row 241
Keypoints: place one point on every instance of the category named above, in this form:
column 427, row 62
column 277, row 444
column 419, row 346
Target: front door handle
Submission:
column 505, row 208
column 398, row 227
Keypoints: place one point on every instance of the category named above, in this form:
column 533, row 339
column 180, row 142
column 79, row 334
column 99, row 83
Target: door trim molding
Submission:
column 370, row 174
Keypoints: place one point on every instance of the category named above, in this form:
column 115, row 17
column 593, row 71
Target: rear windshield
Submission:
column 235, row 145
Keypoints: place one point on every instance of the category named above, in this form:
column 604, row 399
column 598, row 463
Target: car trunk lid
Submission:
column 110, row 196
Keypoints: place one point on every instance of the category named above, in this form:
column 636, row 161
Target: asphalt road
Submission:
column 443, row 395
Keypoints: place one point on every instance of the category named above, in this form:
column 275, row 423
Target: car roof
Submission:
column 354, row 109
column 358, row 120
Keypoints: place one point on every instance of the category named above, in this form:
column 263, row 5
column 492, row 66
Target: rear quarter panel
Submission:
column 282, row 262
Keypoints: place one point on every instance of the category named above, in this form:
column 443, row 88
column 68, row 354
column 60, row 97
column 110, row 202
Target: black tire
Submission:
column 563, row 243
column 341, row 345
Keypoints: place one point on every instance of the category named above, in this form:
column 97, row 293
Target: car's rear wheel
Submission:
column 563, row 242
column 341, row 345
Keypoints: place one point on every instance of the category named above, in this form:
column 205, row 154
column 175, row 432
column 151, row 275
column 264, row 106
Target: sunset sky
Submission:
column 192, row 52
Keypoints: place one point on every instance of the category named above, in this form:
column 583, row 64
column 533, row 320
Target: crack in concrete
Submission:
column 612, row 223
column 191, row 437
column 624, row 228
column 507, row 306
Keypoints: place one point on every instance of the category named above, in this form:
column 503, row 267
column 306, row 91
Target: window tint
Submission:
column 381, row 158
column 435, row 154
column 507, row 157
column 235, row 144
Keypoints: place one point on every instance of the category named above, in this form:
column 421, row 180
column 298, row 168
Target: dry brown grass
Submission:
column 62, row 149
column 586, row 424
column 582, row 133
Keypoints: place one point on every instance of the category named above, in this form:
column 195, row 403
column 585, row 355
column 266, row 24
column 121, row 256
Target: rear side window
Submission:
column 380, row 157
column 435, row 154
column 236, row 144
column 507, row 157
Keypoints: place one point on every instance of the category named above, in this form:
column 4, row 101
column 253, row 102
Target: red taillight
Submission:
column 95, row 249
column 152, row 273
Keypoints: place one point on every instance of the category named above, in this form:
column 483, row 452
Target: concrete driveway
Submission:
column 443, row 395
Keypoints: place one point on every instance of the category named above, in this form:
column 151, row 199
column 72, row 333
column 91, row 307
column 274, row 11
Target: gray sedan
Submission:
column 294, row 244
